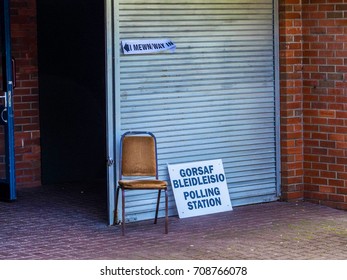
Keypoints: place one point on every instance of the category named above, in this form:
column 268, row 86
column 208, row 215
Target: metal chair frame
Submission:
column 134, row 133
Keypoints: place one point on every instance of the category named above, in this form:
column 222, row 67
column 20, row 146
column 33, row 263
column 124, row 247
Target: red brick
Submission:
column 319, row 181
column 334, row 14
column 337, row 167
column 335, row 30
column 341, row 191
column 24, row 48
column 320, row 166
column 341, row 7
column 336, row 197
column 341, row 160
column 316, row 196
column 341, row 115
column 292, row 196
column 327, row 159
column 327, row 113
column 336, row 183
column 327, row 189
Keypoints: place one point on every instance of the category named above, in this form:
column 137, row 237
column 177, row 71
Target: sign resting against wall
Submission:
column 147, row 46
column 199, row 188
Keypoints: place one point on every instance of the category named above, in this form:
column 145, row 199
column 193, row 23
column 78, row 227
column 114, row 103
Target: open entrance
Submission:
column 71, row 56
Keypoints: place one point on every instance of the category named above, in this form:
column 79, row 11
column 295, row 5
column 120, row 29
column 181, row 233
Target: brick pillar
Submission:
column 291, row 99
column 325, row 101
column 26, row 99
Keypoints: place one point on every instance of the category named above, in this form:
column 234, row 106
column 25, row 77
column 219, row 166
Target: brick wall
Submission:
column 26, row 99
column 325, row 101
column 313, row 58
column 291, row 99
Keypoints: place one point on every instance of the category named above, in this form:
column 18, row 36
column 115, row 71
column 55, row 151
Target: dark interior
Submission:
column 71, row 56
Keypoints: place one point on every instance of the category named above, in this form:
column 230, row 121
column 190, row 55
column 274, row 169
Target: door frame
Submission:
column 8, row 185
column 110, row 110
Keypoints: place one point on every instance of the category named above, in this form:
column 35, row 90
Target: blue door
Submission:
column 7, row 157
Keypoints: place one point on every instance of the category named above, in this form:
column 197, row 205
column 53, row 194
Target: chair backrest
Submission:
column 138, row 154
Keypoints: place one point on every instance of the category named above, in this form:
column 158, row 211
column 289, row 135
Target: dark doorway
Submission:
column 71, row 55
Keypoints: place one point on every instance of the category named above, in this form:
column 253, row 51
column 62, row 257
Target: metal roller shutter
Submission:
column 213, row 98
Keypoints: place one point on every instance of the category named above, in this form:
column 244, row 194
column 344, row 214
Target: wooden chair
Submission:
column 139, row 164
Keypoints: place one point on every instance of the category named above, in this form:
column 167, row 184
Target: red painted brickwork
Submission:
column 325, row 101
column 26, row 99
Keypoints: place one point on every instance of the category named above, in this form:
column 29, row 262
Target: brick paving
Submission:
column 69, row 222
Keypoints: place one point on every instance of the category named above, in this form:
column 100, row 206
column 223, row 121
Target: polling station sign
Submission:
column 147, row 46
column 199, row 188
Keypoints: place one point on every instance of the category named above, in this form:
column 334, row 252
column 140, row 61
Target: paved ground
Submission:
column 57, row 222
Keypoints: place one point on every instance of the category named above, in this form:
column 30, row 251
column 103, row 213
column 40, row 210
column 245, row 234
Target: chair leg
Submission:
column 123, row 211
column 116, row 206
column 157, row 209
column 166, row 213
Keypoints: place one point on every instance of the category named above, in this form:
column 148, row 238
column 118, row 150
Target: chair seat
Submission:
column 143, row 184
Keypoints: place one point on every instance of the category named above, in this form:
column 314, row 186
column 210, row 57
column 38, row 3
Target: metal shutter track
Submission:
column 213, row 98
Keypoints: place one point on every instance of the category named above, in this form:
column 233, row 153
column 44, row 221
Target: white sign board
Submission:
column 199, row 188
column 147, row 46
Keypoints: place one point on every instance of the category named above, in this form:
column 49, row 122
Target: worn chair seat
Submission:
column 143, row 184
